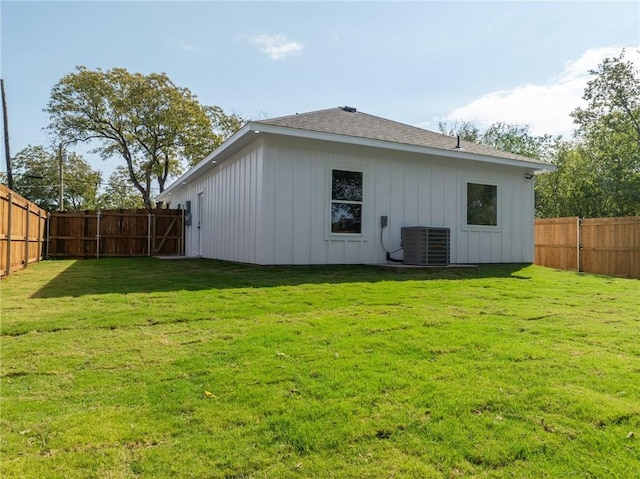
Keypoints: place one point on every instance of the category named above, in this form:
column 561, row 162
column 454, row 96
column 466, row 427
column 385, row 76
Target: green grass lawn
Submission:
column 161, row 369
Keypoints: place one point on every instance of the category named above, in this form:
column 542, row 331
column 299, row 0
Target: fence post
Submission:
column 154, row 234
column 48, row 240
column 579, row 244
column 10, row 220
column 181, row 242
column 39, row 256
column 149, row 234
column 98, row 234
column 26, row 237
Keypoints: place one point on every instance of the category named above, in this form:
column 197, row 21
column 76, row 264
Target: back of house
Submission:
column 339, row 186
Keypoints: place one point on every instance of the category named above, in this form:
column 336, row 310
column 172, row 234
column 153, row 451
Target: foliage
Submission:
column 467, row 130
column 119, row 192
column 506, row 137
column 517, row 139
column 148, row 368
column 155, row 126
column 37, row 178
column 608, row 129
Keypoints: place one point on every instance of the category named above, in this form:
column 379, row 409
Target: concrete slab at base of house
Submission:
column 429, row 266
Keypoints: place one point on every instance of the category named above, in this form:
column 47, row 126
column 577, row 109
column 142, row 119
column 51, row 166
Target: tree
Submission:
column 119, row 192
column 467, row 130
column 37, row 178
column 517, row 139
column 608, row 129
column 155, row 126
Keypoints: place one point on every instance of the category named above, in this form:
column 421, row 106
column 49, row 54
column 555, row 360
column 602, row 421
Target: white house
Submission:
column 338, row 186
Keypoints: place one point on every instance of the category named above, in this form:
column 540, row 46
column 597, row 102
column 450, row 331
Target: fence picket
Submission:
column 608, row 246
column 117, row 233
column 18, row 246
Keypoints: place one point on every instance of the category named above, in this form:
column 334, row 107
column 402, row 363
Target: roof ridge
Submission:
column 296, row 115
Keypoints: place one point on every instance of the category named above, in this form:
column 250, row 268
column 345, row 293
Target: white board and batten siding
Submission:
column 230, row 216
column 270, row 204
column 411, row 189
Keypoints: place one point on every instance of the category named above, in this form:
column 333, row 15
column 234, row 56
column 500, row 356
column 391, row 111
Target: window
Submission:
column 482, row 204
column 346, row 202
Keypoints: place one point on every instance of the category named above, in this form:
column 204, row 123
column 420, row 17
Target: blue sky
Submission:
column 413, row 62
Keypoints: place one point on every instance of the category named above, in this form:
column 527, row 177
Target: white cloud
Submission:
column 277, row 47
column 545, row 107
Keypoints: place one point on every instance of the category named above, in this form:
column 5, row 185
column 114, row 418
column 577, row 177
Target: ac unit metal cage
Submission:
column 425, row 245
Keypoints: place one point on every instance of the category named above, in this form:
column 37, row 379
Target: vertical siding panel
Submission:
column 424, row 195
column 251, row 217
column 216, row 216
column 371, row 251
column 462, row 238
column 485, row 246
column 509, row 221
column 230, row 213
column 284, row 207
column 438, row 196
column 269, row 183
column 302, row 210
column 242, row 186
column 391, row 234
column 319, row 208
column 336, row 252
column 237, row 203
column 411, row 194
column 261, row 155
column 396, row 198
column 528, row 221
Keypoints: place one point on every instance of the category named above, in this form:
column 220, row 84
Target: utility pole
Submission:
column 7, row 153
column 61, row 200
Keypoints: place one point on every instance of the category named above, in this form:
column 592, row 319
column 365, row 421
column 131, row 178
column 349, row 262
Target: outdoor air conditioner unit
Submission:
column 425, row 245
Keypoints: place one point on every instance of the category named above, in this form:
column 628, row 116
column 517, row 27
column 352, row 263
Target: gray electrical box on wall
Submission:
column 425, row 245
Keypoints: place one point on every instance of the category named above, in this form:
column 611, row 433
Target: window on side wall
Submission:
column 482, row 204
column 346, row 202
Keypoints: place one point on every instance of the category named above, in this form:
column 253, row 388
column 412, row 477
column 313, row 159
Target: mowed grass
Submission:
column 129, row 368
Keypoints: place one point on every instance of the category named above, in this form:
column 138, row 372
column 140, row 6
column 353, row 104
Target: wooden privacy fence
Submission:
column 96, row 234
column 22, row 227
column 608, row 246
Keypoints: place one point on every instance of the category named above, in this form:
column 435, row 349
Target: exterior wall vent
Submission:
column 425, row 245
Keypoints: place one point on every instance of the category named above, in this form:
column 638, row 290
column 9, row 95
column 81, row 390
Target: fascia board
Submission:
column 354, row 140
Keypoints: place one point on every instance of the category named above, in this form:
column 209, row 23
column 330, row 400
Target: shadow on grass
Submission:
column 147, row 275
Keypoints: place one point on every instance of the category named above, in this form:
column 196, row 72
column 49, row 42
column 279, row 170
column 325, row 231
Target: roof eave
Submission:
column 214, row 156
column 355, row 140
column 258, row 127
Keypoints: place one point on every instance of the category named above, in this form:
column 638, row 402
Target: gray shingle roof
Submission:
column 362, row 125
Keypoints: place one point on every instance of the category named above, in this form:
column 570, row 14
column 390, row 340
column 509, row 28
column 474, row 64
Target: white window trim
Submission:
column 482, row 181
column 329, row 235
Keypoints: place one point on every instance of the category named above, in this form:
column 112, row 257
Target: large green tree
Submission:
column 37, row 178
column 608, row 132
column 156, row 127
